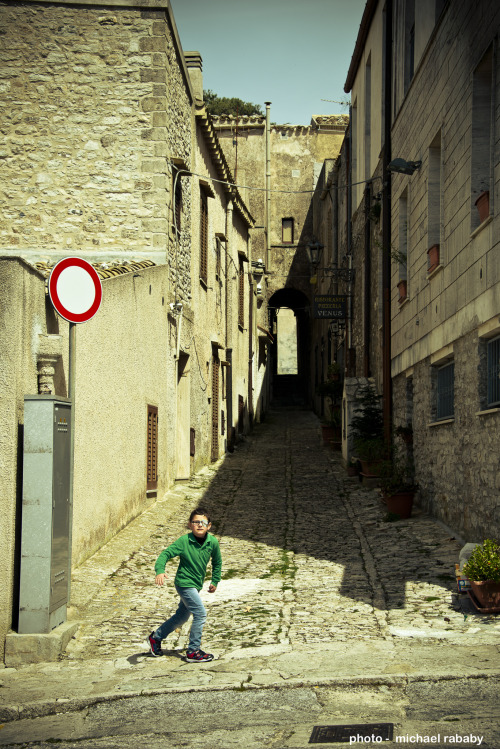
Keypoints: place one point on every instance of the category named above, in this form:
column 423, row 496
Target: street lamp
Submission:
column 314, row 249
column 403, row 167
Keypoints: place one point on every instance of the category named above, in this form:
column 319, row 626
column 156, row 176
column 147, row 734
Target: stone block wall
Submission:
column 94, row 104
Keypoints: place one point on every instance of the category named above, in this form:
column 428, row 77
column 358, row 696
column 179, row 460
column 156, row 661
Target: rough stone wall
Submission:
column 456, row 461
column 94, row 103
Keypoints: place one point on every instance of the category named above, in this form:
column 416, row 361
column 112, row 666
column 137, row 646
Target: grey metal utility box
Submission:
column 45, row 540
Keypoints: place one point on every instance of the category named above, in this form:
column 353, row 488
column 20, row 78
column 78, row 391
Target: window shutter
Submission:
column 152, row 448
column 215, row 408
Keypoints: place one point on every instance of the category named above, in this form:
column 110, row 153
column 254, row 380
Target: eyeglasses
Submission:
column 199, row 522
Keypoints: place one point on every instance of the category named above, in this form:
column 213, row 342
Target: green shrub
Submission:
column 484, row 563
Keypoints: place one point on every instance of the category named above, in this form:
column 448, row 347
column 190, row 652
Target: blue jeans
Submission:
column 190, row 603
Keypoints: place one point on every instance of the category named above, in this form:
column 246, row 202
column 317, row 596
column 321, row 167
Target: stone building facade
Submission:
column 446, row 330
column 283, row 213
column 107, row 155
column 424, row 320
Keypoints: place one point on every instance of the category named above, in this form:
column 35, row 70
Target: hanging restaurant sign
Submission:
column 330, row 305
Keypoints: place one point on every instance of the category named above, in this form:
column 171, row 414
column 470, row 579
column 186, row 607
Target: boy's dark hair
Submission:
column 199, row 511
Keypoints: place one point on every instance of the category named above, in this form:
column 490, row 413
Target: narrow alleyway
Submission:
column 307, row 559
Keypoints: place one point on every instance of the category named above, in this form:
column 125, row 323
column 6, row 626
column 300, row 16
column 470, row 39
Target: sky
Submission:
column 293, row 53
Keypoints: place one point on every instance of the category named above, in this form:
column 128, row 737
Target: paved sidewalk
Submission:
column 317, row 589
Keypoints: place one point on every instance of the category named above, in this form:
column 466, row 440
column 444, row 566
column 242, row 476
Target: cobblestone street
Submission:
column 308, row 557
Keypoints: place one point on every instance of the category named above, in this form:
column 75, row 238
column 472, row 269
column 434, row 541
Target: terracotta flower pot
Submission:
column 403, row 290
column 371, row 467
column 400, row 503
column 433, row 254
column 483, row 205
column 487, row 593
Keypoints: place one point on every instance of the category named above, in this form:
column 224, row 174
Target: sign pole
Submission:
column 71, row 395
column 75, row 291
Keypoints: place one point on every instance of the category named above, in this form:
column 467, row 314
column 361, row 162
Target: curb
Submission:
column 11, row 713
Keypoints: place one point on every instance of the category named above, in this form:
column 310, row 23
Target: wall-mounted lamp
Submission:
column 404, row 167
column 314, row 250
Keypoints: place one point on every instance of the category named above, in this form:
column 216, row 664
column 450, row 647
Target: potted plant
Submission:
column 433, row 255
column 483, row 205
column 483, row 572
column 398, row 485
column 333, row 372
column 403, row 290
column 331, row 428
column 405, row 432
column 368, row 431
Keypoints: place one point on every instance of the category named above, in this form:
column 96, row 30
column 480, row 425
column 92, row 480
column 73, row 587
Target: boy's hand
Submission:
column 160, row 578
column 212, row 588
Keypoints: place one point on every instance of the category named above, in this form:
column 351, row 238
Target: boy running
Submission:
column 195, row 550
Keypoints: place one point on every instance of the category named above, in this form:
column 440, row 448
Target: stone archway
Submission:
column 290, row 367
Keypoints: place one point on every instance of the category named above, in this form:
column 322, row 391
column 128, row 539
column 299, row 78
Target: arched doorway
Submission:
column 290, row 321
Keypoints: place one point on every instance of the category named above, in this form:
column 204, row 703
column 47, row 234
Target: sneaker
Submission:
column 198, row 656
column 155, row 645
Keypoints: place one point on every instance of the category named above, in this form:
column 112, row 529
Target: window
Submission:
column 434, row 190
column 445, row 391
column 203, row 237
column 177, row 204
column 287, row 230
column 241, row 295
column 218, row 257
column 152, row 449
column 482, row 135
column 493, row 373
column 403, row 236
column 368, row 116
column 409, row 67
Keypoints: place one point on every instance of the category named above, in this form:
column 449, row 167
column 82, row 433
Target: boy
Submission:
column 195, row 549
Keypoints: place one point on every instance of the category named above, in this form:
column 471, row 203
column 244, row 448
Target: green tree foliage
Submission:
column 236, row 107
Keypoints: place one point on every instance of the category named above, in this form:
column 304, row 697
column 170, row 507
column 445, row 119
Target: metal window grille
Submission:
column 445, row 391
column 203, row 237
column 241, row 295
column 152, row 448
column 494, row 372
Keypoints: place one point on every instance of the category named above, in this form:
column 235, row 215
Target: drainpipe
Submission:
column 386, row 231
column 367, row 288
column 268, row 184
column 349, row 368
column 229, row 336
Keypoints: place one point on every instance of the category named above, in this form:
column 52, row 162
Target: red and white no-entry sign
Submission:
column 75, row 289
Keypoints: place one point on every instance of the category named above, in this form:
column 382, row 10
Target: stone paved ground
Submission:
column 308, row 558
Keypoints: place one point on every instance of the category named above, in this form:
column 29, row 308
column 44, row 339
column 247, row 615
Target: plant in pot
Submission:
column 398, row 485
column 368, row 431
column 483, row 572
column 331, row 427
column 405, row 432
